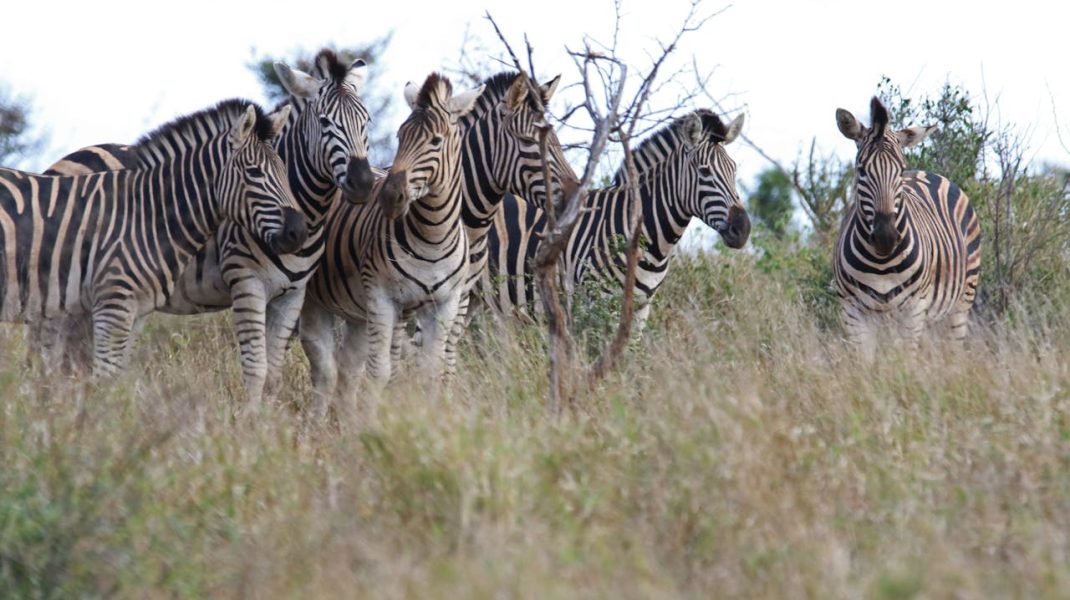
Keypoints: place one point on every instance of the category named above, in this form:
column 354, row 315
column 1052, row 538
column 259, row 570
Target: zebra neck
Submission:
column 482, row 195
column 312, row 184
column 436, row 217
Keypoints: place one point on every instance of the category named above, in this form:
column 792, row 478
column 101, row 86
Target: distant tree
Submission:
column 955, row 150
column 380, row 101
column 771, row 201
column 17, row 141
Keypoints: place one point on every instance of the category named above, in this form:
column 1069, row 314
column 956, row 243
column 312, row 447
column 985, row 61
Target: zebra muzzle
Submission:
column 885, row 236
column 293, row 234
column 737, row 228
column 393, row 196
column 359, row 180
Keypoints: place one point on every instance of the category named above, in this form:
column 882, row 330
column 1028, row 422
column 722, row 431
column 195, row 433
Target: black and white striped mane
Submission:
column 163, row 141
column 663, row 142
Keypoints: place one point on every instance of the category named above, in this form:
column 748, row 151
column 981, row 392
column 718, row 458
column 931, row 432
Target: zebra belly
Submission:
column 203, row 286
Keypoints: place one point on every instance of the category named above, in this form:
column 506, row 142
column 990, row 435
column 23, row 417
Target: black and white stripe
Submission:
column 324, row 145
column 684, row 172
column 909, row 247
column 111, row 244
column 405, row 254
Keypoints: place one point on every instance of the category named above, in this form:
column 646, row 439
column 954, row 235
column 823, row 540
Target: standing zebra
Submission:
column 406, row 253
column 684, row 172
column 324, row 145
column 112, row 243
column 500, row 154
column 910, row 246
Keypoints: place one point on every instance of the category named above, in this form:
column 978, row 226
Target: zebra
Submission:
column 684, row 172
column 909, row 246
column 112, row 244
column 324, row 145
column 407, row 253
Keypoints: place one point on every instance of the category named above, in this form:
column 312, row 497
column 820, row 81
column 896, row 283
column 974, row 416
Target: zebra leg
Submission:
column 382, row 319
column 860, row 333
column 249, row 313
column 48, row 339
column 436, row 324
column 317, row 340
column 352, row 356
column 113, row 326
column 457, row 329
column 282, row 315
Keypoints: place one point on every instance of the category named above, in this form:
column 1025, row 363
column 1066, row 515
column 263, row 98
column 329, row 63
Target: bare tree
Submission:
column 613, row 116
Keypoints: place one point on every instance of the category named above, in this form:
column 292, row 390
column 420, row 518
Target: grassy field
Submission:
column 740, row 452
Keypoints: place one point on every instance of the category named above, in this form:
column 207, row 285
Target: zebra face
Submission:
column 255, row 191
column 718, row 198
column 878, row 184
column 429, row 145
column 522, row 117
column 334, row 121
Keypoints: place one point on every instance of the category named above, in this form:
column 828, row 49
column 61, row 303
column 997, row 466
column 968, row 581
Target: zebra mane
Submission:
column 663, row 142
column 218, row 118
column 497, row 86
column 328, row 64
column 433, row 82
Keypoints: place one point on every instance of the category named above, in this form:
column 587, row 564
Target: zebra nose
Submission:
column 294, row 232
column 359, row 181
column 393, row 199
column 738, row 230
column 885, row 236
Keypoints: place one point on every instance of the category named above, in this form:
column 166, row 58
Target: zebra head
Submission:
column 879, row 164
column 333, row 120
column 253, row 189
column 429, row 144
column 517, row 120
column 718, row 199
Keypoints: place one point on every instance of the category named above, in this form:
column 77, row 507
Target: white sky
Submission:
column 109, row 71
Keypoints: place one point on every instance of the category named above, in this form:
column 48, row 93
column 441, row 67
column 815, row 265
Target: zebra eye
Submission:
column 705, row 171
column 324, row 122
column 436, row 141
column 254, row 172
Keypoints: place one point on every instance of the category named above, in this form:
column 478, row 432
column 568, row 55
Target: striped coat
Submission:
column 684, row 172
column 909, row 248
column 407, row 253
column 324, row 145
column 111, row 244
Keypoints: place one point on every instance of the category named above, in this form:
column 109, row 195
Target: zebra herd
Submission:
column 279, row 216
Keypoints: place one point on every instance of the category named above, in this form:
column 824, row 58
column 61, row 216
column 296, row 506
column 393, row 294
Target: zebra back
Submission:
column 684, row 171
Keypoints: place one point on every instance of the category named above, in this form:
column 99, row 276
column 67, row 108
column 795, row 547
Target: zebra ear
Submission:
column 279, row 119
column 848, row 124
column 244, row 127
column 460, row 104
column 734, row 128
column 517, row 92
column 357, row 73
column 693, row 131
column 297, row 83
column 549, row 88
column 913, row 135
column 411, row 92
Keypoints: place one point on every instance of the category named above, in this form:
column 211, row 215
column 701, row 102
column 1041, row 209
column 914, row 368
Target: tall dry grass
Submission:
column 741, row 452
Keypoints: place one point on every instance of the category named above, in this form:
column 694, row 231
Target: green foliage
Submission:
column 17, row 140
column 381, row 102
column 823, row 183
column 771, row 201
column 955, row 149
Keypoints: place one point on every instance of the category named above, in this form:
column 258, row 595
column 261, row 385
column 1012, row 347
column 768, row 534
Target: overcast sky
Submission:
column 108, row 71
